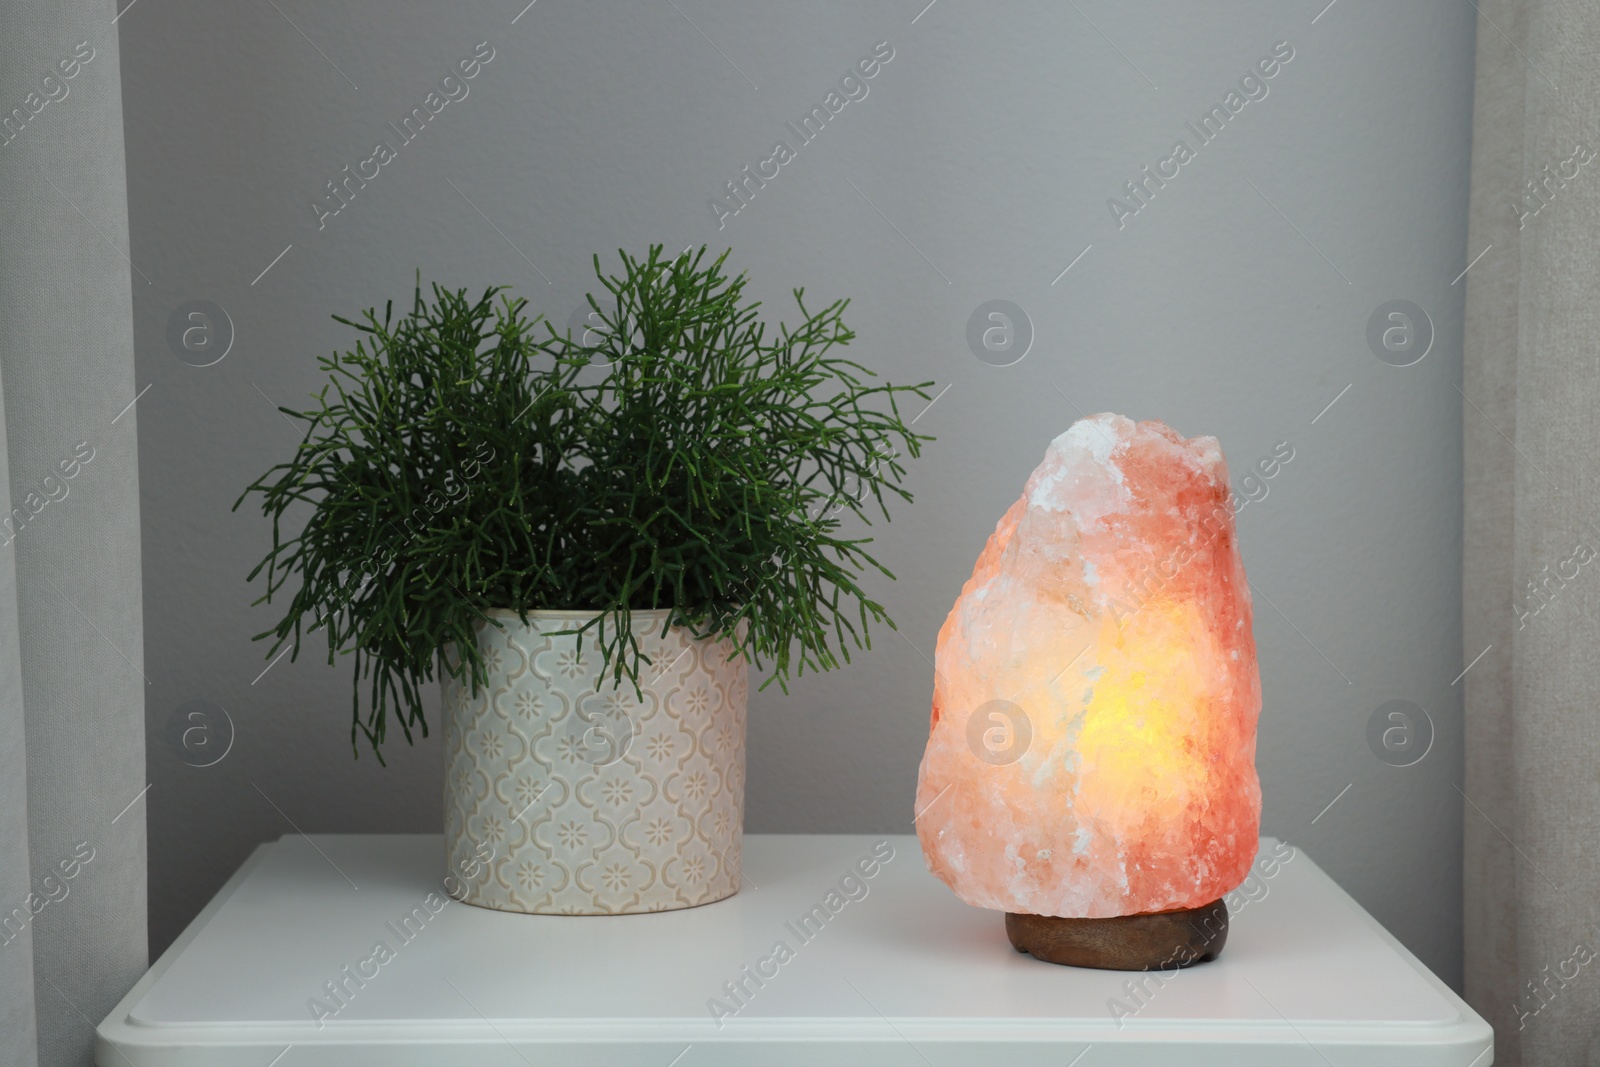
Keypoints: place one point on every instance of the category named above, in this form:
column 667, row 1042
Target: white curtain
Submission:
column 72, row 827
column 1531, row 592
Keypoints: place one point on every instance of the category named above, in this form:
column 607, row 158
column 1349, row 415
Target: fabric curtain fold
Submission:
column 72, row 769
column 1531, row 582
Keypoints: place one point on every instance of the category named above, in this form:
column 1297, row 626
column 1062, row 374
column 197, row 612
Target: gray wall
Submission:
column 1235, row 303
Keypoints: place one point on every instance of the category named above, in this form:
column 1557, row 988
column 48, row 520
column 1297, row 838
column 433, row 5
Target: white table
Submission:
column 905, row 975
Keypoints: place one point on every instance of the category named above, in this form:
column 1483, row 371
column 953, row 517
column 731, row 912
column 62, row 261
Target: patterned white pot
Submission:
column 563, row 799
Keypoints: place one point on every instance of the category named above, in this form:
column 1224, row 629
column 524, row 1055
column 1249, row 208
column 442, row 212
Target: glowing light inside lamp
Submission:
column 1092, row 747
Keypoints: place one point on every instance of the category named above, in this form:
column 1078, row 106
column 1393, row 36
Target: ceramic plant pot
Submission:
column 561, row 798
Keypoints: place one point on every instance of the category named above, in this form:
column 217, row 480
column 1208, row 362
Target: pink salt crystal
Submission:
column 1092, row 748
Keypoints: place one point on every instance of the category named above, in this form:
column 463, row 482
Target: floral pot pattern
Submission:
column 561, row 798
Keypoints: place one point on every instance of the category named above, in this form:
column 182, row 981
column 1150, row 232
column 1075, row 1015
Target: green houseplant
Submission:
column 676, row 480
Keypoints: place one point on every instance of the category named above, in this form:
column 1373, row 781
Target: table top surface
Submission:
column 288, row 956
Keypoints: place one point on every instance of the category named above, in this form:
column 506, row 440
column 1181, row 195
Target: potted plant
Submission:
column 586, row 541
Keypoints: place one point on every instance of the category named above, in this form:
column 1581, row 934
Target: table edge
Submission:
column 121, row 1033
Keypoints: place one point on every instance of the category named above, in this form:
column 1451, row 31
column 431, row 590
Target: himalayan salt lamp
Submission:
column 1090, row 768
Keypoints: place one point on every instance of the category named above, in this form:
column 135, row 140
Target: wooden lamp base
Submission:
column 1163, row 940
